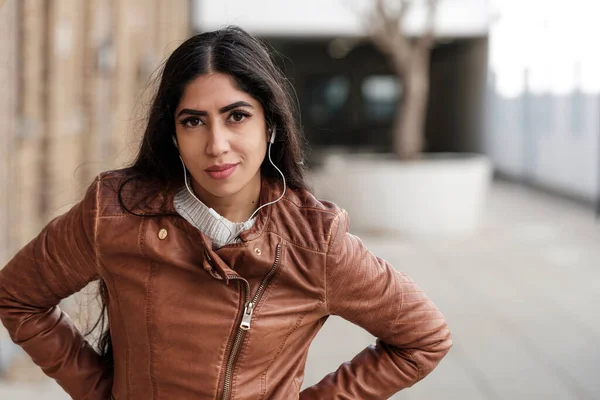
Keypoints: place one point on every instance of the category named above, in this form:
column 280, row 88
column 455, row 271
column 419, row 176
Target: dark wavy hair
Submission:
column 247, row 60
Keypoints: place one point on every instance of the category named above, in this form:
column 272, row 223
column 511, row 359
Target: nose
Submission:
column 218, row 141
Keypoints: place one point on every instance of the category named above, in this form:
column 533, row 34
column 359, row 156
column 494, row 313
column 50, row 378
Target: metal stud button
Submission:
column 257, row 251
column 162, row 234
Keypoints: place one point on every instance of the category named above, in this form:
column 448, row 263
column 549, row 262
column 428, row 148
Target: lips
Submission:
column 221, row 171
column 219, row 167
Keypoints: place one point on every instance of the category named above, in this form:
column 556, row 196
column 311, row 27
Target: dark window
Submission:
column 381, row 94
column 326, row 97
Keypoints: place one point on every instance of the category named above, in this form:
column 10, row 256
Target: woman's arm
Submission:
column 412, row 333
column 60, row 261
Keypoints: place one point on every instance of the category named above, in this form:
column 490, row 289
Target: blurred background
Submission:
column 465, row 145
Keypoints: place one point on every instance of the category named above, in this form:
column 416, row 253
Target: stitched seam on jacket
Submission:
column 280, row 349
column 234, row 372
column 310, row 207
column 408, row 352
column 149, row 293
column 263, row 375
column 96, row 221
column 296, row 385
column 288, row 240
column 114, row 216
column 120, row 314
column 115, row 291
column 416, row 364
column 335, row 224
column 322, row 300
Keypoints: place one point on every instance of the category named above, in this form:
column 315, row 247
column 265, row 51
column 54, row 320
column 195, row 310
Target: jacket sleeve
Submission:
column 60, row 261
column 412, row 335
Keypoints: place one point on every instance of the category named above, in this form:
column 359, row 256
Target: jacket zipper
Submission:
column 244, row 325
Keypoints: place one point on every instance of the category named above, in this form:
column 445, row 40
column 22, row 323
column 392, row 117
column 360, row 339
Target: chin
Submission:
column 223, row 188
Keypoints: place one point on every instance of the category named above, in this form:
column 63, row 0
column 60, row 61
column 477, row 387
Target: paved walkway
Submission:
column 521, row 298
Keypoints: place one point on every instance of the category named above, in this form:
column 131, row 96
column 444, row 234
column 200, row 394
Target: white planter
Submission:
column 442, row 194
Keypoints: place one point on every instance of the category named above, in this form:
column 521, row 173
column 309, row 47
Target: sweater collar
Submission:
column 218, row 228
column 269, row 191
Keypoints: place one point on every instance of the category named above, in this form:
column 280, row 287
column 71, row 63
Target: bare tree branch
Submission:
column 411, row 61
column 426, row 41
column 388, row 35
column 405, row 6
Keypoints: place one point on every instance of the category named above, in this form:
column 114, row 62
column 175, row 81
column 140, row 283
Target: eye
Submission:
column 191, row 122
column 238, row 116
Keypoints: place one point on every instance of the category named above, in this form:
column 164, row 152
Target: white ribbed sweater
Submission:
column 220, row 230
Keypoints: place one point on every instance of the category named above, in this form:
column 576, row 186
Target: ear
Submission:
column 175, row 142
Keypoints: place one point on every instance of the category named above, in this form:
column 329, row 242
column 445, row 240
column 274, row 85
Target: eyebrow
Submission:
column 222, row 110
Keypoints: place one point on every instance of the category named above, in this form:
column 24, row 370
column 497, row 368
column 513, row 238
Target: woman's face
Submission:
column 222, row 137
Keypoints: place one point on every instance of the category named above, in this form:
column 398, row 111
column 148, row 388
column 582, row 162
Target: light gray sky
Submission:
column 554, row 39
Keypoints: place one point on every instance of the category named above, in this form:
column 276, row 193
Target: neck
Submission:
column 237, row 207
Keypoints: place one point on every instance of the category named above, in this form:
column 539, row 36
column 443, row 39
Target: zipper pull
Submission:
column 248, row 310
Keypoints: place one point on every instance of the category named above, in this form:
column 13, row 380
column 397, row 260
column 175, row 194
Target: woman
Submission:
column 217, row 265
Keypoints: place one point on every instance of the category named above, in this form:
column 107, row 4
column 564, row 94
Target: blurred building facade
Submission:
column 347, row 90
column 512, row 79
column 75, row 80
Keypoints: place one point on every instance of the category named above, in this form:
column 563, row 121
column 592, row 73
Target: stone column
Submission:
column 8, row 127
column 8, row 118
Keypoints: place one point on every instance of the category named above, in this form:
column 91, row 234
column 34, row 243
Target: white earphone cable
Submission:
column 284, row 185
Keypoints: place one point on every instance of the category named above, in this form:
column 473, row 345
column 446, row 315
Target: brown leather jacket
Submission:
column 188, row 322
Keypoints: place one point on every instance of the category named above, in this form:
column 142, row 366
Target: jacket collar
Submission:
column 270, row 190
